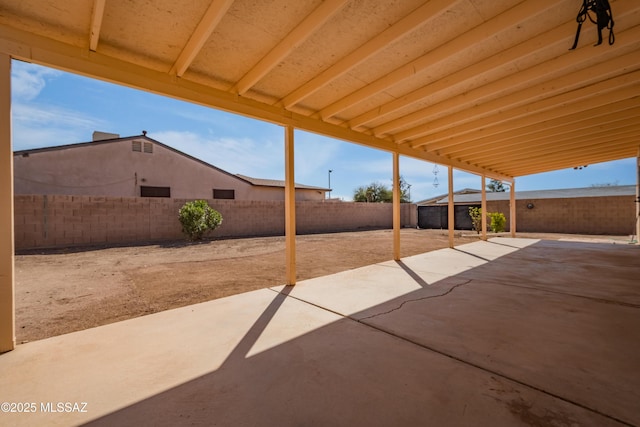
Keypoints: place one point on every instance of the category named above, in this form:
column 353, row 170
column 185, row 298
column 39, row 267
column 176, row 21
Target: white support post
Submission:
column 396, row 206
column 512, row 209
column 290, row 206
column 451, row 208
column 7, row 265
column 483, row 206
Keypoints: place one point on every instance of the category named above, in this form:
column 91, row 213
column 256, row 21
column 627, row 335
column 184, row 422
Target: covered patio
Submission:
column 502, row 332
column 497, row 88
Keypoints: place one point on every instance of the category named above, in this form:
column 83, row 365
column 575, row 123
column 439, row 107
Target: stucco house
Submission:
column 138, row 166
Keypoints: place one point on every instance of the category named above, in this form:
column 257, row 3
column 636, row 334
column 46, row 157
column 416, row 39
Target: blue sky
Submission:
column 51, row 108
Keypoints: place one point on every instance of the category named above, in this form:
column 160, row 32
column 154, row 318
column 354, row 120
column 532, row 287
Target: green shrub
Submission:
column 197, row 218
column 476, row 218
column 498, row 220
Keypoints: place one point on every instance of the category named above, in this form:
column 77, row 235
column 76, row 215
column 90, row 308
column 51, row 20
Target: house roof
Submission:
column 277, row 183
column 436, row 198
column 490, row 87
column 567, row 193
column 252, row 181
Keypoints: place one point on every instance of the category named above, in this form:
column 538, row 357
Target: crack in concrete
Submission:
column 416, row 299
column 452, row 356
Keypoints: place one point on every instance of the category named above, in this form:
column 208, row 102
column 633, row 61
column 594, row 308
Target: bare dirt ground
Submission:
column 61, row 291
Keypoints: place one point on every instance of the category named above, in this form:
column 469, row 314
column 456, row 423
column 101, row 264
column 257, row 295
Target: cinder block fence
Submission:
column 613, row 215
column 43, row 221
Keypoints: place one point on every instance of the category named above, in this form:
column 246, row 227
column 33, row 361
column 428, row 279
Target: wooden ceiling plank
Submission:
column 573, row 161
column 578, row 161
column 541, row 149
column 546, row 128
column 568, row 134
column 96, row 24
column 482, row 32
column 30, row 47
column 409, row 23
column 531, row 124
column 216, row 10
column 530, row 95
column 485, row 66
column 544, row 41
column 602, row 93
column 574, row 139
column 142, row 71
column 560, row 156
column 292, row 40
column 597, row 140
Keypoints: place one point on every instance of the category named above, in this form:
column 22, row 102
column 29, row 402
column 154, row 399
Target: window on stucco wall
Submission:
column 224, row 194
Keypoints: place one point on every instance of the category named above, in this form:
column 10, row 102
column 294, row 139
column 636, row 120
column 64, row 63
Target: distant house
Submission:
column 590, row 210
column 138, row 166
column 435, row 199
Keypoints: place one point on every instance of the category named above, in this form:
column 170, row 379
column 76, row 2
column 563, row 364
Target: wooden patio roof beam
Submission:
column 538, row 93
column 569, row 138
column 560, row 62
column 476, row 35
column 405, row 25
column 597, row 144
column 485, row 66
column 547, row 128
column 599, row 94
column 52, row 53
column 614, row 142
column 96, row 24
column 296, row 37
column 523, row 144
column 208, row 23
column 621, row 150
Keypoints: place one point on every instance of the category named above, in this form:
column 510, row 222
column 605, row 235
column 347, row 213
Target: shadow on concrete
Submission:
column 505, row 349
column 470, row 254
column 415, row 276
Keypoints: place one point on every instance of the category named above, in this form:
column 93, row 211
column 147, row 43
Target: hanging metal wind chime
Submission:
column 435, row 176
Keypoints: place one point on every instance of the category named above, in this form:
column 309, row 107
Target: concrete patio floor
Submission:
column 502, row 333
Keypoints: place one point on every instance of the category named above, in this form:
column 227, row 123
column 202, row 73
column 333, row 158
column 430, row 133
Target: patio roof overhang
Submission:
column 489, row 87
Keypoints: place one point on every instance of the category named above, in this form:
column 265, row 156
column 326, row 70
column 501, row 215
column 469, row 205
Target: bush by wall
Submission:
column 198, row 218
column 498, row 220
column 476, row 218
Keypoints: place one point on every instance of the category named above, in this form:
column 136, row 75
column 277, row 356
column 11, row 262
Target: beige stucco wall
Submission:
column 114, row 169
column 61, row 220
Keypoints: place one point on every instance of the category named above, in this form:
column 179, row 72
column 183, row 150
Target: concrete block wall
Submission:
column 45, row 221
column 331, row 217
column 613, row 215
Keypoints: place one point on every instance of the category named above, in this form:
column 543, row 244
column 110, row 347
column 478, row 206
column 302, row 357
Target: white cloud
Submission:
column 36, row 126
column 45, row 115
column 263, row 159
column 28, row 80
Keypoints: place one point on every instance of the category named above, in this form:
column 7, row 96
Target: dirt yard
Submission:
column 63, row 291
